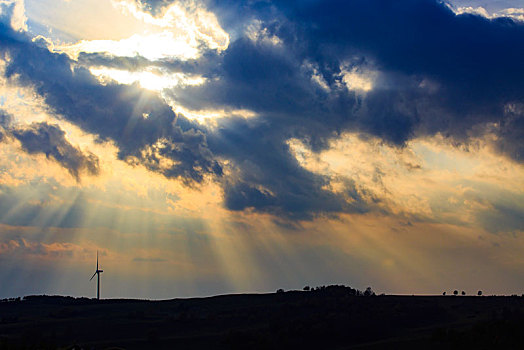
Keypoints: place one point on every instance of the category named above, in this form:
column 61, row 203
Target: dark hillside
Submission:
column 332, row 318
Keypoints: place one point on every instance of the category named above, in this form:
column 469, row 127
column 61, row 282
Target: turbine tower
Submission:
column 97, row 272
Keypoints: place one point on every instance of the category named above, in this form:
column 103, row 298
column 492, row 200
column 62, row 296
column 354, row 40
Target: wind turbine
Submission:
column 97, row 272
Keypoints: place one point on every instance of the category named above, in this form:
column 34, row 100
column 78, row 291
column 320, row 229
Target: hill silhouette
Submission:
column 333, row 317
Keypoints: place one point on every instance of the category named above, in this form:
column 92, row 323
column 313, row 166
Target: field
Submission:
column 322, row 319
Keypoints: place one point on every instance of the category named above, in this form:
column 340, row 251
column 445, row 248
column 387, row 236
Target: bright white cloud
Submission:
column 153, row 46
column 180, row 32
column 489, row 5
column 183, row 30
column 472, row 10
column 358, row 79
column 514, row 13
column 207, row 115
column 148, row 79
column 188, row 23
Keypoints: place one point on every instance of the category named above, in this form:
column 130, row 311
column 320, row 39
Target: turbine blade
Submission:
column 92, row 276
column 97, row 260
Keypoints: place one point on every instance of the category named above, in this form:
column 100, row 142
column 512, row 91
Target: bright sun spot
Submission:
column 153, row 46
column 186, row 18
column 180, row 33
column 156, row 81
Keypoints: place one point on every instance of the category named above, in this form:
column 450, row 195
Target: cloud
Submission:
column 310, row 71
column 176, row 150
column 23, row 247
column 433, row 73
column 12, row 12
column 50, row 140
column 5, row 121
column 438, row 72
column 138, row 63
column 265, row 176
column 510, row 12
column 112, row 112
column 154, row 6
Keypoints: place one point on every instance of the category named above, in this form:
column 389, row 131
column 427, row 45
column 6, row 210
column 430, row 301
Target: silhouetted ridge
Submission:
column 324, row 317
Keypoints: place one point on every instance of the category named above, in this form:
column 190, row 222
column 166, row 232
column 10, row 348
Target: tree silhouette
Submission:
column 307, row 288
column 444, row 293
column 455, row 292
column 463, row 293
column 369, row 292
column 479, row 293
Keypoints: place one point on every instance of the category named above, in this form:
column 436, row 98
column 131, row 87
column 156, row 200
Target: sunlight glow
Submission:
column 76, row 20
column 357, row 79
column 188, row 19
column 437, row 211
column 156, row 81
column 206, row 115
column 421, row 179
column 152, row 46
column 182, row 32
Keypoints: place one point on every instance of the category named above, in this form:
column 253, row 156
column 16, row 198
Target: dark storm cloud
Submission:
column 134, row 118
column 117, row 112
column 511, row 131
column 267, row 177
column 49, row 139
column 476, row 62
column 439, row 72
column 271, row 80
column 460, row 76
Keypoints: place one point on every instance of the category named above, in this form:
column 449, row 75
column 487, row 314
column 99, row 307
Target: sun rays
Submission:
column 213, row 147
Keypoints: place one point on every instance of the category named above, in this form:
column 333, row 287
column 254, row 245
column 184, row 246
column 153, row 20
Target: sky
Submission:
column 206, row 147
